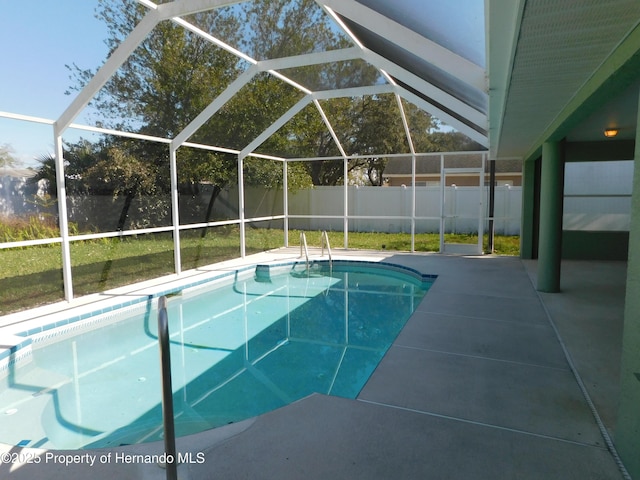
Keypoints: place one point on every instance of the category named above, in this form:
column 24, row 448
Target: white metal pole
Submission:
column 175, row 213
column 346, row 202
column 442, row 193
column 345, row 160
column 243, row 250
column 413, row 202
column 285, row 200
column 481, row 208
column 407, row 132
column 63, row 221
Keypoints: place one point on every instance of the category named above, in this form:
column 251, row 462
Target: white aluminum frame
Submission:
column 473, row 249
column 440, row 57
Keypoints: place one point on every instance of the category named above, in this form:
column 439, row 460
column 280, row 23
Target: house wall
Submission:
column 17, row 194
column 585, row 245
column 597, row 206
column 627, row 432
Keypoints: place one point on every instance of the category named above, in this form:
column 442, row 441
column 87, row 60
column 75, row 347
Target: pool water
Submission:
column 239, row 348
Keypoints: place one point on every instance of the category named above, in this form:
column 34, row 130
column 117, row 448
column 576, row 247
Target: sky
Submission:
column 37, row 39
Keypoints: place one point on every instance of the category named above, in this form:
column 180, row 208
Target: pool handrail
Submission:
column 303, row 244
column 167, row 391
column 324, row 237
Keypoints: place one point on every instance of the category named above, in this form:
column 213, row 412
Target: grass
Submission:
column 33, row 276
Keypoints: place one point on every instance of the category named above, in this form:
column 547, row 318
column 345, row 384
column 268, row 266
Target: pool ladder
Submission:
column 167, row 391
column 324, row 239
column 303, row 246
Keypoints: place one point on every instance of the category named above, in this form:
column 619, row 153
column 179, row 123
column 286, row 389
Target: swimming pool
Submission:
column 240, row 346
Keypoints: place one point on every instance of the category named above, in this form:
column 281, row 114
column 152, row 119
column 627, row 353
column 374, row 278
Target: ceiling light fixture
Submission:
column 611, row 132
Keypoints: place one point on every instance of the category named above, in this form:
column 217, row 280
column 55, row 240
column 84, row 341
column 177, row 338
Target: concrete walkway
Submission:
column 476, row 386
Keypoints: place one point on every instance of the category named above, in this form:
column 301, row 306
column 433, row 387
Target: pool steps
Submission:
column 324, row 241
column 324, row 237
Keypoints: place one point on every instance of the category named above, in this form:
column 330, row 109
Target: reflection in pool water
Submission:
column 238, row 349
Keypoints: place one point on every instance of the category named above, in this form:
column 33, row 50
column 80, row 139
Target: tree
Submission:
column 280, row 29
column 120, row 174
column 379, row 131
column 160, row 86
column 170, row 77
column 7, row 160
column 46, row 171
column 453, row 142
column 174, row 74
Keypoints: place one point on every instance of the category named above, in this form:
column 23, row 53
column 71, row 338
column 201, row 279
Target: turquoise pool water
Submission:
column 239, row 348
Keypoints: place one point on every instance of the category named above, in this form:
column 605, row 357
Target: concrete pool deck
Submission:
column 476, row 386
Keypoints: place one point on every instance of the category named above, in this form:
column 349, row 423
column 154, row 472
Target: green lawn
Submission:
column 32, row 276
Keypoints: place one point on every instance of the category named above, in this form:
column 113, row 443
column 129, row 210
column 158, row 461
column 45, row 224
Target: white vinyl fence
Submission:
column 393, row 207
column 592, row 202
column 370, row 209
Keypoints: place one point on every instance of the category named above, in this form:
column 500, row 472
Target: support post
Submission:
column 345, row 191
column 285, row 200
column 442, row 203
column 527, row 221
column 413, row 202
column 492, row 203
column 551, row 201
column 243, row 245
column 63, row 221
column 175, row 212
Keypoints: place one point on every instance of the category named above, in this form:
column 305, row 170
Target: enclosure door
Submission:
column 462, row 210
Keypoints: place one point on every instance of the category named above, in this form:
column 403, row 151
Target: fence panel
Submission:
column 396, row 202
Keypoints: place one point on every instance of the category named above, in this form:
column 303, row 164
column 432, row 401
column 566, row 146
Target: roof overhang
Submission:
column 560, row 70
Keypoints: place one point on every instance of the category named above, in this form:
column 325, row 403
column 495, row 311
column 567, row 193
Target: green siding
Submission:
column 627, row 433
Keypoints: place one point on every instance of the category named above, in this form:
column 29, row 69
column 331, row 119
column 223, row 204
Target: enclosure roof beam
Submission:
column 353, row 92
column 403, row 116
column 275, row 126
column 443, row 105
column 449, row 101
column 445, row 117
column 234, row 51
column 308, row 59
column 184, row 7
column 330, row 128
column 179, row 8
column 411, row 41
column 214, row 106
column 117, row 58
column 405, row 124
column 211, row 39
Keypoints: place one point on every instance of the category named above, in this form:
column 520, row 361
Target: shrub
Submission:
column 16, row 229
